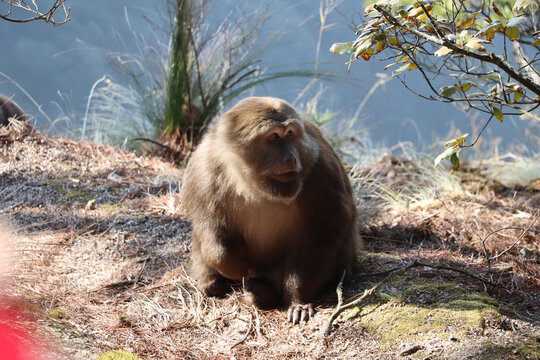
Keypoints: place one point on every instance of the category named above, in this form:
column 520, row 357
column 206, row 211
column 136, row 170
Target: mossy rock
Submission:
column 446, row 295
column 430, row 310
column 82, row 196
column 118, row 355
column 528, row 349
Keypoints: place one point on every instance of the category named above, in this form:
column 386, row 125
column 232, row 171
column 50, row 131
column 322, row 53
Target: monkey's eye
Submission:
column 274, row 136
column 289, row 134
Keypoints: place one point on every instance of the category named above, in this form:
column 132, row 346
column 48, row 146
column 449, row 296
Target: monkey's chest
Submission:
column 268, row 229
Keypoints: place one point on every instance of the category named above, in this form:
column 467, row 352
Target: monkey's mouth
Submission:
column 285, row 177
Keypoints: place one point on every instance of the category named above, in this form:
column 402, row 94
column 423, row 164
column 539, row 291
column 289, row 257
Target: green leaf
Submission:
column 457, row 141
column 394, row 41
column 518, row 95
column 403, row 13
column 491, row 77
column 444, row 155
column 512, row 32
column 400, row 70
column 452, row 152
column 448, row 91
column 454, row 159
column 498, row 114
column 466, row 87
column 342, row 48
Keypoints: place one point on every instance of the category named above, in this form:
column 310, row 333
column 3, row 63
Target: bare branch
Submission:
column 36, row 13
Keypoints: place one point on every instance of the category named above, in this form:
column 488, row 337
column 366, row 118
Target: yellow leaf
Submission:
column 512, row 32
column 536, row 43
column 404, row 60
column 380, row 46
column 476, row 44
column 498, row 114
column 412, row 66
column 490, row 34
column 414, row 12
column 443, row 51
column 394, row 41
column 365, row 56
column 467, row 23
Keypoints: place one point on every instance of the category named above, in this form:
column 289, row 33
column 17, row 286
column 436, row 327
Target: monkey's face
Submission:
column 277, row 160
column 271, row 151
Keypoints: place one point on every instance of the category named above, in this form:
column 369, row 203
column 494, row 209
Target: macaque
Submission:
column 9, row 109
column 271, row 207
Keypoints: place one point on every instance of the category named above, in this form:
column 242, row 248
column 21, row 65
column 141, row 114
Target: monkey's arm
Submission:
column 222, row 250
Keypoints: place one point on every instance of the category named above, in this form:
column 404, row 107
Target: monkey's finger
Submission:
column 290, row 314
column 305, row 315
column 295, row 312
column 310, row 310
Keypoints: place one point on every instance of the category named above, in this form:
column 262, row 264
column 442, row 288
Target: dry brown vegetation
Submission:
column 100, row 247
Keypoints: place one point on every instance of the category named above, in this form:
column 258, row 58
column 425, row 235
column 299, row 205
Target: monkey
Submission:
column 271, row 207
column 9, row 109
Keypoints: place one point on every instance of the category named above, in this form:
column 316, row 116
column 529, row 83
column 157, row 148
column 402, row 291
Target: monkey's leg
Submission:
column 217, row 261
column 209, row 281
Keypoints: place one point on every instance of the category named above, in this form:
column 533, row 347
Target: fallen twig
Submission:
column 366, row 295
column 155, row 143
column 517, row 240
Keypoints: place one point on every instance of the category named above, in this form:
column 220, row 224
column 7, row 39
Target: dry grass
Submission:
column 113, row 276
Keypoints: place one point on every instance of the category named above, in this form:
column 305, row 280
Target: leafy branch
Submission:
column 461, row 40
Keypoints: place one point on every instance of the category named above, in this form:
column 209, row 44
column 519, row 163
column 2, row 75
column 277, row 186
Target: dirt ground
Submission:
column 99, row 250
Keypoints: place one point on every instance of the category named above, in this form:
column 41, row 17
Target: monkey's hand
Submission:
column 300, row 312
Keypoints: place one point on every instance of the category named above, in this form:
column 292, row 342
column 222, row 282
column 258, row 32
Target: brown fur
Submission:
column 9, row 109
column 286, row 239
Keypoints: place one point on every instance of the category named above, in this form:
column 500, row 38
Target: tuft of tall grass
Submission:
column 181, row 78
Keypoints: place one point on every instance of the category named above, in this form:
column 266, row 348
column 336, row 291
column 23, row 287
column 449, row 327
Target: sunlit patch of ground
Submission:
column 101, row 250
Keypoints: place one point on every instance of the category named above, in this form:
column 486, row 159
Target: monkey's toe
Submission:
column 300, row 312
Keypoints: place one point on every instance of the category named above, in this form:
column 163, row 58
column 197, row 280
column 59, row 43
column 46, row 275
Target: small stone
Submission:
column 91, row 205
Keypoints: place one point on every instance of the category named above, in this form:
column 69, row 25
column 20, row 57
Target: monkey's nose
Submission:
column 291, row 165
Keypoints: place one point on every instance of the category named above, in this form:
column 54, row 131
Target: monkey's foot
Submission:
column 215, row 286
column 300, row 312
column 261, row 293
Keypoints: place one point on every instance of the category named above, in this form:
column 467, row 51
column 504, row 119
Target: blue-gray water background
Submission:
column 47, row 60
